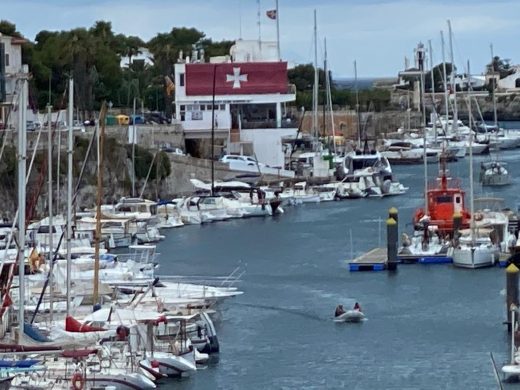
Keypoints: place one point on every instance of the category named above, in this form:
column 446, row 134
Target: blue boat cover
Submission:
column 34, row 333
column 18, row 363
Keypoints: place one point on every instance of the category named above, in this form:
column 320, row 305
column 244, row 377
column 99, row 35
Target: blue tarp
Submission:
column 34, row 333
column 18, row 363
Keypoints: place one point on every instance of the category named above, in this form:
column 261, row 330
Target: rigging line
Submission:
column 76, row 192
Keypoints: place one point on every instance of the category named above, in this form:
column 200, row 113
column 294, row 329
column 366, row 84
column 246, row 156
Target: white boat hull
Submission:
column 476, row 257
column 350, row 316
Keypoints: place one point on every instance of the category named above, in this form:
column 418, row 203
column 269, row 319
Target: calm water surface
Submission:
column 428, row 327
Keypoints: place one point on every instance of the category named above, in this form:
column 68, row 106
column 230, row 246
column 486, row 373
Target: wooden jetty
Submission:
column 373, row 260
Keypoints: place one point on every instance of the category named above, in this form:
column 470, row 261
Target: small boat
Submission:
column 494, row 173
column 350, row 316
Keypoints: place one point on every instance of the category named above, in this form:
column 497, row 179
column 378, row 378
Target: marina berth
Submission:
column 185, row 157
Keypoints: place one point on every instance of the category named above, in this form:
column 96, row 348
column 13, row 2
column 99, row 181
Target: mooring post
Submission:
column 394, row 214
column 391, row 244
column 512, row 273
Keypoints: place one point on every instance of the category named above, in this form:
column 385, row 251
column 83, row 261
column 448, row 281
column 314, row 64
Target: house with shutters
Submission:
column 10, row 69
column 241, row 97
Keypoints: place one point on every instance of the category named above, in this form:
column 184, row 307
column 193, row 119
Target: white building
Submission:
column 511, row 82
column 11, row 47
column 144, row 55
column 250, row 93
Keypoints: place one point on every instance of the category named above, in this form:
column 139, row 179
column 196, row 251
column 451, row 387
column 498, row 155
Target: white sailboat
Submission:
column 494, row 172
column 474, row 250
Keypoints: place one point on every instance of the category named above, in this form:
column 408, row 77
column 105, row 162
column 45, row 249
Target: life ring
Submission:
column 77, row 381
column 479, row 217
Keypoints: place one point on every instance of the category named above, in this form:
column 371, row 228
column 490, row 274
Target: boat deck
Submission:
column 373, row 260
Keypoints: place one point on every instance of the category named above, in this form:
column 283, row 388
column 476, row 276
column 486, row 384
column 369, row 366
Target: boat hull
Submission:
column 477, row 257
column 350, row 316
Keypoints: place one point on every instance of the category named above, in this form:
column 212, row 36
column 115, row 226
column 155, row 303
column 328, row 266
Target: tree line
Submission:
column 92, row 56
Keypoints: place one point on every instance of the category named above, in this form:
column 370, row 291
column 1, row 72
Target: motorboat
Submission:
column 494, row 173
column 350, row 316
column 445, row 198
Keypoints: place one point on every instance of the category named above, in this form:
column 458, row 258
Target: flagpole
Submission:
column 277, row 14
column 259, row 28
column 240, row 18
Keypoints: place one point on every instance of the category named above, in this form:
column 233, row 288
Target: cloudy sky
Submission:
column 376, row 33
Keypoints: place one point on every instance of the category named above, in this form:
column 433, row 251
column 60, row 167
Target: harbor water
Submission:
column 428, row 327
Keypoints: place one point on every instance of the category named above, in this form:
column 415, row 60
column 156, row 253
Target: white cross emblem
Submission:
column 236, row 77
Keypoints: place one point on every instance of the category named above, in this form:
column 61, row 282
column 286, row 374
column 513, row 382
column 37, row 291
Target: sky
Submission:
column 378, row 34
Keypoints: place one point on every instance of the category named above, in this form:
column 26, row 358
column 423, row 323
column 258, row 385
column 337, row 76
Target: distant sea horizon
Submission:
column 362, row 82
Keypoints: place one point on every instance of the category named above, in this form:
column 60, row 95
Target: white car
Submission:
column 246, row 160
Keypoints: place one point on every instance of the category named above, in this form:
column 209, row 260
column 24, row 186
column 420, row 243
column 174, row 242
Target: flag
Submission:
column 170, row 86
column 271, row 14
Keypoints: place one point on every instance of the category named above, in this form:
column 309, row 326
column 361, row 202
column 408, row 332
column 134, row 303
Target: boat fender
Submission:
column 77, row 381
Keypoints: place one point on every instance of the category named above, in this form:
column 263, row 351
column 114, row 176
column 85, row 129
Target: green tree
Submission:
column 166, row 48
column 501, row 66
column 8, row 28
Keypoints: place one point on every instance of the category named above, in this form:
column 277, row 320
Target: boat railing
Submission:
column 450, row 183
column 138, row 257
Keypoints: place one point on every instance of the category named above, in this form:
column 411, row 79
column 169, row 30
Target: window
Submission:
column 6, row 59
column 457, row 199
column 222, row 107
column 183, row 107
column 196, row 115
column 45, row 229
column 444, row 199
column 181, row 79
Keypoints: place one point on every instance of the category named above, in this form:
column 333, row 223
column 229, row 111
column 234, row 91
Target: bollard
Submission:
column 391, row 243
column 512, row 273
column 457, row 224
column 393, row 213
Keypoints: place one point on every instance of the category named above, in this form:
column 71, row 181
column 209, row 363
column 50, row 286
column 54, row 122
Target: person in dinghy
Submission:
column 339, row 311
column 357, row 307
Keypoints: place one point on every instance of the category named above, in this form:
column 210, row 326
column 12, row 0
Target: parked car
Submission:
column 245, row 160
column 31, row 126
column 139, row 120
column 156, row 117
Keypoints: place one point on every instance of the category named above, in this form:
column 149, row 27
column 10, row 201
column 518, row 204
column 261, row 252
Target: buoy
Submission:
column 77, row 381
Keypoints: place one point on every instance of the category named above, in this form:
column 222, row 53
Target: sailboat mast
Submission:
column 445, row 85
column 421, row 60
column 357, row 105
column 101, row 141
column 430, row 50
column 133, row 150
column 316, row 81
column 472, row 201
column 455, row 126
column 22, row 150
column 329, row 99
column 495, row 116
column 49, row 204
column 69, row 192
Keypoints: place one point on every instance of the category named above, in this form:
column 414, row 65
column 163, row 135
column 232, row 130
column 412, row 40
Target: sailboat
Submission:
column 474, row 248
column 494, row 172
